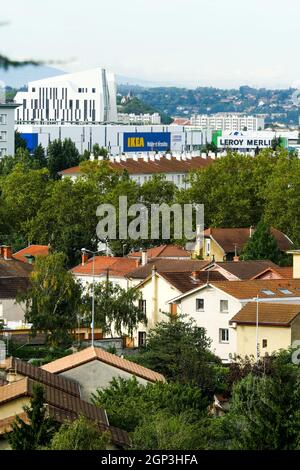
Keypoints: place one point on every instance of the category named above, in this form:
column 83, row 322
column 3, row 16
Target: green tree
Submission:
column 62, row 155
column 264, row 412
column 262, row 245
column 116, row 308
column 128, row 403
column 39, row 429
column 53, row 300
column 67, row 218
column 80, row 434
column 100, row 151
column 23, row 191
column 39, row 158
column 20, row 142
column 179, row 350
column 164, row 431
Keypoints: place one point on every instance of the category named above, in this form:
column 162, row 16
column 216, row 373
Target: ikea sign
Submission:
column 147, row 141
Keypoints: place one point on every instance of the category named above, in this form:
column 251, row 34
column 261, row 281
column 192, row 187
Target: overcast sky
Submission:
column 190, row 42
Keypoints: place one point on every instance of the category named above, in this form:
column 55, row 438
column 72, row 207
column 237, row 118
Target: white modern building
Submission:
column 143, row 119
column 228, row 122
column 88, row 96
column 7, row 129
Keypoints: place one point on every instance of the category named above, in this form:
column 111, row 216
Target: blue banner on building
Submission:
column 32, row 141
column 147, row 141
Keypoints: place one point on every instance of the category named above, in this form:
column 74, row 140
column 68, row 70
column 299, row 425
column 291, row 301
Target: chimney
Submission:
column 154, row 270
column 236, row 258
column 144, row 258
column 137, row 262
column 84, row 258
column 195, row 275
column 6, row 252
column 251, row 231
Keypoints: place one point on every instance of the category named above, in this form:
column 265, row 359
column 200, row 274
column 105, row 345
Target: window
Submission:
column 285, row 291
column 224, row 306
column 3, row 118
column 142, row 338
column 33, row 90
column 224, row 335
column 199, row 304
column 207, row 247
column 3, row 136
column 264, row 343
column 93, row 90
column 143, row 306
column 267, row 292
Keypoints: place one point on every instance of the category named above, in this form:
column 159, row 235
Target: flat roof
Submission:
column 9, row 105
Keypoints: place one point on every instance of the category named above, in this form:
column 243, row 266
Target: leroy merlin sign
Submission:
column 246, row 140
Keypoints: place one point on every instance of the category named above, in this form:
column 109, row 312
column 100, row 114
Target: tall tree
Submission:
column 180, row 351
column 116, row 309
column 262, row 245
column 53, row 301
column 80, row 434
column 62, row 155
column 39, row 429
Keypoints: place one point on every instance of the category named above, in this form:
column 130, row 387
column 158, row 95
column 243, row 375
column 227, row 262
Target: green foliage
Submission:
column 164, row 431
column 100, row 151
column 128, row 403
column 115, row 308
column 137, row 106
column 20, row 143
column 264, row 413
column 179, row 350
column 39, row 157
column 262, row 245
column 80, row 434
column 62, row 155
column 40, row 429
column 53, row 300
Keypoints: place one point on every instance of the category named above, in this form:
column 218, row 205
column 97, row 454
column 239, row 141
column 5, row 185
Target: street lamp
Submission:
column 94, row 253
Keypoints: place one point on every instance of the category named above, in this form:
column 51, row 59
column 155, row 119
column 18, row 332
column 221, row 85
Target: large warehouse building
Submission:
column 88, row 96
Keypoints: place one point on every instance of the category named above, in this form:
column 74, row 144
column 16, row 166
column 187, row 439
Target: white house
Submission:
column 7, row 128
column 214, row 305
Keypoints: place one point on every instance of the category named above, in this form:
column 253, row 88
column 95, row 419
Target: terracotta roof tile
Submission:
column 120, row 266
column 31, row 250
column 14, row 390
column 163, row 251
column 91, row 354
column 14, row 268
column 167, row 265
column 250, row 289
column 163, row 165
column 246, row 269
column 11, row 286
column 228, row 238
column 45, row 378
column 185, row 281
column 268, row 314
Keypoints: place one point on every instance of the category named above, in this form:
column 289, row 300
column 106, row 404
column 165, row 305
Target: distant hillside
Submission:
column 137, row 106
column 277, row 105
column 19, row 77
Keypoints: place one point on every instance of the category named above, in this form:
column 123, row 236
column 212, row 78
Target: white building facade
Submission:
column 228, row 122
column 142, row 119
column 88, row 96
column 7, row 129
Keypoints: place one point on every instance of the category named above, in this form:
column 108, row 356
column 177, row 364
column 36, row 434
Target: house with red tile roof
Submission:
column 94, row 368
column 213, row 305
column 140, row 170
column 278, row 327
column 110, row 268
column 223, row 244
column 161, row 252
column 28, row 254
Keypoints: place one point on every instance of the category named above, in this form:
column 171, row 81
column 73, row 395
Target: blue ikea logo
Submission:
column 147, row 141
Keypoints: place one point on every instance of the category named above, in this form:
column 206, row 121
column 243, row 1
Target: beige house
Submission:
column 277, row 327
column 95, row 368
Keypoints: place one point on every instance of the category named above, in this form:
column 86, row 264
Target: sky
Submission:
column 225, row 43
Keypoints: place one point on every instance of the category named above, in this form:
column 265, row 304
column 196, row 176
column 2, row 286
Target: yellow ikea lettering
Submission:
column 136, row 142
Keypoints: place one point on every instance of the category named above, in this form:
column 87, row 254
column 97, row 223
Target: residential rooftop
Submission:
column 273, row 314
column 92, row 354
column 116, row 266
column 31, row 251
